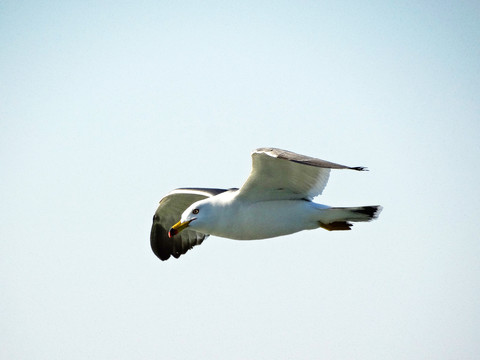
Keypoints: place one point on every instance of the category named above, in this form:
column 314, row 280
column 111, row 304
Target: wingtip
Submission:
column 360, row 168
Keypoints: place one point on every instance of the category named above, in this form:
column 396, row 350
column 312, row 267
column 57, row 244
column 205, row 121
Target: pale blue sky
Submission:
column 107, row 106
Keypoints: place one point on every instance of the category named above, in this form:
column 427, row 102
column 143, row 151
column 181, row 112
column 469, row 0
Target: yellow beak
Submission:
column 179, row 226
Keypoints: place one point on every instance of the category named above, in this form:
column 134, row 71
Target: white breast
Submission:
column 264, row 219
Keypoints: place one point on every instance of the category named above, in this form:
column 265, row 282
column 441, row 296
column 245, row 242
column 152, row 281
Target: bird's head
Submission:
column 195, row 217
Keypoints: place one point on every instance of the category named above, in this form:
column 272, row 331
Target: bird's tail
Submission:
column 339, row 218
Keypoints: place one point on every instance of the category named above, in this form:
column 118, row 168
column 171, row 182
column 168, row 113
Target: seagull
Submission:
column 275, row 200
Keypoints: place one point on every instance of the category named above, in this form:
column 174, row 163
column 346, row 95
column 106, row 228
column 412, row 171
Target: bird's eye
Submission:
column 195, row 211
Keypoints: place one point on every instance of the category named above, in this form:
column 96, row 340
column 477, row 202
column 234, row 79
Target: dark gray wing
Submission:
column 284, row 175
column 168, row 213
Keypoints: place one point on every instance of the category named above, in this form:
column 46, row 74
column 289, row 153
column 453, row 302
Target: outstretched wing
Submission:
column 284, row 175
column 168, row 213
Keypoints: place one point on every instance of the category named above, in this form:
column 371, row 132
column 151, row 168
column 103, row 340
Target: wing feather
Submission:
column 168, row 213
column 284, row 175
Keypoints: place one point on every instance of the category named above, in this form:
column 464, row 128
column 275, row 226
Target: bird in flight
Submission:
column 275, row 200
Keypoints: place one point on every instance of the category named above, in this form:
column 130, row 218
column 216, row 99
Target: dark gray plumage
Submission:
column 168, row 212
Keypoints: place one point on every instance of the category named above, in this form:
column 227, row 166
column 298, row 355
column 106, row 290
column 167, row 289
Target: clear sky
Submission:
column 105, row 106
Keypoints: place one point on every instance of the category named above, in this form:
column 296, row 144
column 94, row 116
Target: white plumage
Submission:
column 275, row 200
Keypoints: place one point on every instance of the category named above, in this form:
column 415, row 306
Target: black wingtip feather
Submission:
column 359, row 168
column 160, row 244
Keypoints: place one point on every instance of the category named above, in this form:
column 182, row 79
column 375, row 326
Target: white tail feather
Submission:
column 337, row 218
